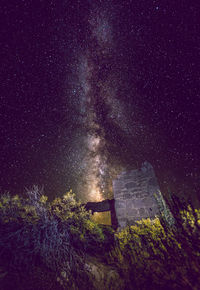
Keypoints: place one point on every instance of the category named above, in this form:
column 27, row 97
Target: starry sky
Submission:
column 90, row 88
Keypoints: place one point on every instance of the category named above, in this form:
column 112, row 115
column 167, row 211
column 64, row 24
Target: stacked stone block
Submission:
column 134, row 194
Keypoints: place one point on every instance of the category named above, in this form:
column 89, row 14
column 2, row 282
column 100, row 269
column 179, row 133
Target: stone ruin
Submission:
column 135, row 194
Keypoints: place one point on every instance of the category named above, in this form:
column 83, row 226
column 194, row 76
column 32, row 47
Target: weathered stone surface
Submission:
column 138, row 203
column 131, row 185
column 148, row 201
column 132, row 212
column 120, row 212
column 153, row 210
column 129, row 203
column 128, row 195
column 142, row 211
column 134, row 194
column 118, row 192
column 120, row 203
column 138, row 189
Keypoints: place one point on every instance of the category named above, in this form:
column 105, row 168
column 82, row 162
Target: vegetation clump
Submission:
column 45, row 237
column 46, row 245
column 154, row 255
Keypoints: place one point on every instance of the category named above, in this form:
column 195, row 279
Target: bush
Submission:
column 50, row 236
column 151, row 255
column 44, row 245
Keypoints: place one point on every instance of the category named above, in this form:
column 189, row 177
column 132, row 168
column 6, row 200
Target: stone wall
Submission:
column 134, row 194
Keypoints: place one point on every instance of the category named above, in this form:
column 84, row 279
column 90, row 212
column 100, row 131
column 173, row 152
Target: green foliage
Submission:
column 85, row 233
column 152, row 256
column 50, row 236
column 190, row 217
column 52, row 239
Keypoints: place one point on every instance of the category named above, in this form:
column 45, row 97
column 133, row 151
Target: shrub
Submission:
column 49, row 235
column 150, row 255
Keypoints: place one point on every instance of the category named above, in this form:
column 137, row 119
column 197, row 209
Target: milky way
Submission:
column 98, row 83
column 92, row 76
column 92, row 87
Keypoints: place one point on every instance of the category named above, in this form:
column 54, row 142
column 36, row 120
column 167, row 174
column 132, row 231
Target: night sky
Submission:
column 90, row 88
